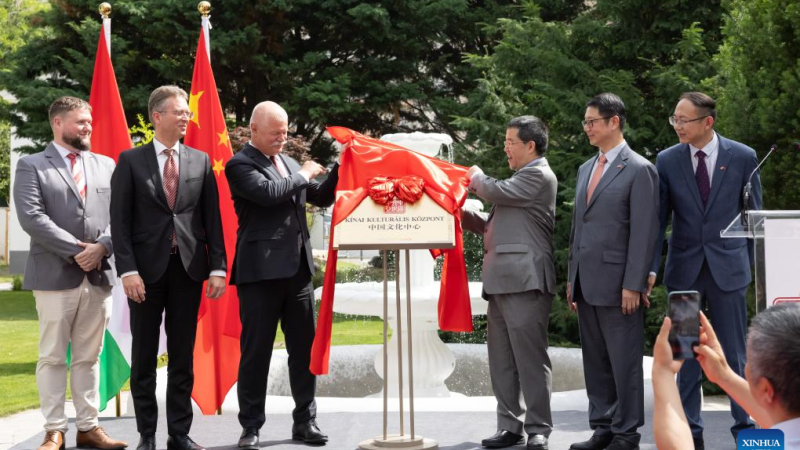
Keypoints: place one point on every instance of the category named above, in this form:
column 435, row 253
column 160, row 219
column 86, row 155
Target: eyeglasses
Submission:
column 676, row 122
column 185, row 113
column 589, row 123
column 509, row 143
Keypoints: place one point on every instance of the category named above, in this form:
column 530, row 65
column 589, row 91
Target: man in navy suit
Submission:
column 702, row 181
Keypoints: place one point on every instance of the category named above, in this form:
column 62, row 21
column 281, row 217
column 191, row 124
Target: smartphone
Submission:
column 684, row 311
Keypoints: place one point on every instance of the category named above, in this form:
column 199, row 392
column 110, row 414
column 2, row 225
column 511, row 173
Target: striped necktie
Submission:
column 77, row 174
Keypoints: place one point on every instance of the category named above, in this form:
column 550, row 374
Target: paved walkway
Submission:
column 457, row 423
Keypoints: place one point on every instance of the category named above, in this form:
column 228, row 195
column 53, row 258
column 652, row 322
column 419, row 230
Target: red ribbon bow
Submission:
column 382, row 190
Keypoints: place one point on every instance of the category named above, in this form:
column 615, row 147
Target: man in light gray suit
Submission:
column 62, row 200
column 519, row 282
column 614, row 222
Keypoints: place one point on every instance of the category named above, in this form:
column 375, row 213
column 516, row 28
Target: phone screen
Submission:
column 684, row 311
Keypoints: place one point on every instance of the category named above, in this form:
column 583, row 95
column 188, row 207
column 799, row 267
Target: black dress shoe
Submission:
column 147, row 442
column 182, row 442
column 622, row 444
column 309, row 433
column 594, row 443
column 502, row 439
column 537, row 442
column 699, row 444
column 249, row 439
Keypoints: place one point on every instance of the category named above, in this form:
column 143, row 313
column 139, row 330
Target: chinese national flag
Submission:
column 216, row 350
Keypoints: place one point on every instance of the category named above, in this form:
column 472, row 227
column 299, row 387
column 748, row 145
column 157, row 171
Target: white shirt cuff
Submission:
column 127, row 274
column 218, row 273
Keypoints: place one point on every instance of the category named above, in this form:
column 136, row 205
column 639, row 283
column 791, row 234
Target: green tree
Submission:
column 758, row 89
column 378, row 67
column 648, row 52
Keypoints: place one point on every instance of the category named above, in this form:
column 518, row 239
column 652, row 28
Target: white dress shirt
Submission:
column 65, row 152
column 711, row 156
column 791, row 433
column 611, row 155
column 161, row 157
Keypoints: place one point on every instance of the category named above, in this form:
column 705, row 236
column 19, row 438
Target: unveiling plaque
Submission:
column 397, row 225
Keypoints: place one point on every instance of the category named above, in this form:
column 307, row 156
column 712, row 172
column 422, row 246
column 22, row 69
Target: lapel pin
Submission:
column 620, row 166
column 721, row 167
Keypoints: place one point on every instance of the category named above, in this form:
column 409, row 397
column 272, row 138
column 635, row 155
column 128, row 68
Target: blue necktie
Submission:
column 701, row 176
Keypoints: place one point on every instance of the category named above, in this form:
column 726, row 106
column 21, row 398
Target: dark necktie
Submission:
column 171, row 186
column 701, row 176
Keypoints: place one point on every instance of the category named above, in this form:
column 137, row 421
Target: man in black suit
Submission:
column 273, row 267
column 167, row 236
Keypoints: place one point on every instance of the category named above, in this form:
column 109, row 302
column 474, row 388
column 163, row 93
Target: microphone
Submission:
column 749, row 186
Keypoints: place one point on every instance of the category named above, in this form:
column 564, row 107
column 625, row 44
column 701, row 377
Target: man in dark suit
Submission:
column 61, row 196
column 702, row 181
column 614, row 222
column 167, row 240
column 272, row 269
column 519, row 281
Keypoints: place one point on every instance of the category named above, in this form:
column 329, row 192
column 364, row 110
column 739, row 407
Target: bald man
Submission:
column 273, row 267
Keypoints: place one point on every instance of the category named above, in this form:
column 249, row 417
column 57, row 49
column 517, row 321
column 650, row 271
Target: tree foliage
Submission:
column 382, row 66
column 758, row 88
column 647, row 52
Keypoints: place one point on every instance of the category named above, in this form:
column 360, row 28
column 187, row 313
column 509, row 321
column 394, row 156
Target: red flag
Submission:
column 216, row 349
column 109, row 129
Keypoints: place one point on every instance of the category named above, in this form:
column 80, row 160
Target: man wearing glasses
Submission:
column 614, row 224
column 167, row 236
column 702, row 180
column 519, row 282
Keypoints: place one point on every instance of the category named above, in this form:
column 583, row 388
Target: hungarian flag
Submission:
column 216, row 350
column 110, row 137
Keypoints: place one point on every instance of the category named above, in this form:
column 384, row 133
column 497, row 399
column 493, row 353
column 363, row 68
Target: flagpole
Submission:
column 105, row 12
column 204, row 8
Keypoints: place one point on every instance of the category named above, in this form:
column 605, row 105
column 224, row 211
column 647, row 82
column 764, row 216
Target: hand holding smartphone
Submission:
column 684, row 312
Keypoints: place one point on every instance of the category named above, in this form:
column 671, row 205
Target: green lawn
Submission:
column 19, row 335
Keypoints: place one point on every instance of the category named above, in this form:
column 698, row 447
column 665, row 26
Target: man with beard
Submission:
column 62, row 197
column 167, row 242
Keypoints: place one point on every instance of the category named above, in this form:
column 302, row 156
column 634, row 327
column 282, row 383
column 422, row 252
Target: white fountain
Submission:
column 433, row 361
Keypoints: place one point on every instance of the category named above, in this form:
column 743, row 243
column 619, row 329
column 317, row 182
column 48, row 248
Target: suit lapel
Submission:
column 61, row 166
column 155, row 173
column 583, row 184
column 685, row 162
column 724, row 156
column 184, row 173
column 91, row 169
column 616, row 167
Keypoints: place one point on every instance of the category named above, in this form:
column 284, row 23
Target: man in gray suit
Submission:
column 62, row 200
column 519, row 282
column 614, row 224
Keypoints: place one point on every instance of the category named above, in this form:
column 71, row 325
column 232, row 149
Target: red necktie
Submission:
column 77, row 174
column 279, row 167
column 598, row 173
column 171, row 185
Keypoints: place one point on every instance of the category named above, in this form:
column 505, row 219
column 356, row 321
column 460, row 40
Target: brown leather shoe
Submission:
column 97, row 438
column 53, row 440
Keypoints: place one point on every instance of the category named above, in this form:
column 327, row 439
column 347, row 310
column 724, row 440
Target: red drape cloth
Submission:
column 362, row 159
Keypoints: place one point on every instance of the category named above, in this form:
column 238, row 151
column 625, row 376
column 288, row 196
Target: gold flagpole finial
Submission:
column 105, row 9
column 204, row 8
